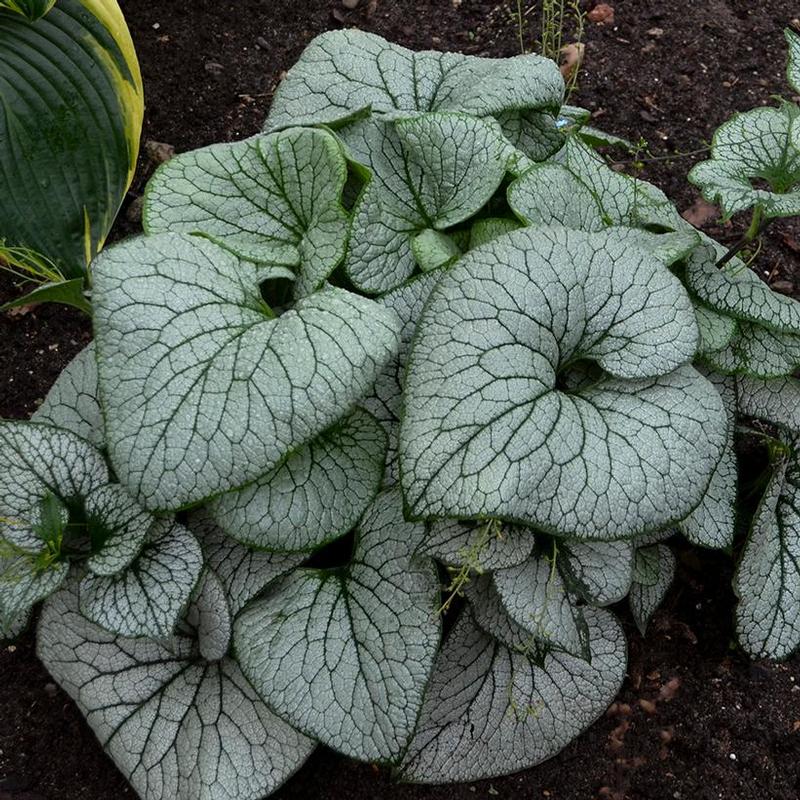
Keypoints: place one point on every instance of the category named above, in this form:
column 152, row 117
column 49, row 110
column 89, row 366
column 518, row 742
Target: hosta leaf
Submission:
column 758, row 352
column 716, row 330
column 175, row 725
column 550, row 194
column 490, row 710
column 484, row 230
column 32, row 9
column 624, row 200
column 118, row 527
column 428, row 172
column 489, row 429
column 203, row 389
column 342, row 74
column 600, row 572
column 315, row 496
column 70, row 121
column 713, row 522
column 749, row 147
column 535, row 597
column 793, row 64
column 776, row 400
column 69, row 293
column 767, row 580
column 385, row 400
column 478, row 546
column 645, row 598
column 345, row 654
column 535, row 133
column 270, row 199
column 72, row 402
column 242, row 571
column 737, row 291
column 149, row 596
column 37, row 461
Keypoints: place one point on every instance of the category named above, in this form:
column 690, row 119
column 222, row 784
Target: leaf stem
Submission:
column 757, row 226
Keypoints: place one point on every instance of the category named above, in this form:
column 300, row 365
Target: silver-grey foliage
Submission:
column 416, row 351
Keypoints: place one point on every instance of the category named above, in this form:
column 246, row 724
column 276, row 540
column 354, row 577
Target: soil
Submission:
column 695, row 720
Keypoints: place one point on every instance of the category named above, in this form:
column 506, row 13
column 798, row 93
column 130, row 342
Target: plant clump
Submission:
column 414, row 359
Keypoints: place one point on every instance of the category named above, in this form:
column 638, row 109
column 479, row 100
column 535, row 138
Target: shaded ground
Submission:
column 667, row 71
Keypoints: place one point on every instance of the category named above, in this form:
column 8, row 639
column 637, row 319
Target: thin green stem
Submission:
column 758, row 224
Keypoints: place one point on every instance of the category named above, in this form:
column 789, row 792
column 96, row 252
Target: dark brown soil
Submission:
column 670, row 72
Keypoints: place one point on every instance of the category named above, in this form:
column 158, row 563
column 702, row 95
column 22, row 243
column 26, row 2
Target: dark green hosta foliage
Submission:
column 414, row 352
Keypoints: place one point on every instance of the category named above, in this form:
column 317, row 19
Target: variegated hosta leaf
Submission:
column 713, row 522
column 490, row 430
column 242, row 571
column 758, row 352
column 72, row 402
column 343, row 74
column 716, row 330
column 204, row 390
column 39, row 461
column 270, row 199
column 654, row 564
column 484, row 230
column 385, row 400
column 32, row 9
column 599, row 572
column 479, row 546
column 767, row 580
column 428, row 172
column 736, row 291
column 550, row 194
column 490, row 710
column 345, row 654
column 534, row 133
column 148, row 597
column 70, row 121
column 315, row 496
column 535, row 597
column 776, row 400
column 175, row 725
column 118, row 527
column 753, row 146
column 624, row 200
column 793, row 64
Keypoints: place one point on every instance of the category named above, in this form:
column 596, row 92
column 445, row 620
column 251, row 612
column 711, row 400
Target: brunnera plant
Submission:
column 412, row 360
